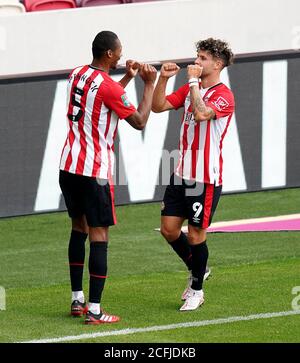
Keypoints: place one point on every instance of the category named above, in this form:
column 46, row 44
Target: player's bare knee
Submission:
column 79, row 224
column 163, row 231
column 196, row 235
column 98, row 233
column 169, row 234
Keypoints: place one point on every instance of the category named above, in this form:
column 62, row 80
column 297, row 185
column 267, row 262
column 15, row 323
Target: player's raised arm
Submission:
column 139, row 118
column 160, row 103
column 200, row 111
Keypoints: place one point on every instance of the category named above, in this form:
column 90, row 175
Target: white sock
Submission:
column 78, row 295
column 94, row 308
column 197, row 292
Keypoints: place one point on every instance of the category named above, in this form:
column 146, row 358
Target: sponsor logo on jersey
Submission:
column 189, row 118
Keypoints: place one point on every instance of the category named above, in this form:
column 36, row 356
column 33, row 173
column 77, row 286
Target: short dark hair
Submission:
column 104, row 41
column 217, row 48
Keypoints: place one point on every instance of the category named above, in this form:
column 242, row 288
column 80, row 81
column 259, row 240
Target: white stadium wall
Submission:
column 37, row 50
column 152, row 31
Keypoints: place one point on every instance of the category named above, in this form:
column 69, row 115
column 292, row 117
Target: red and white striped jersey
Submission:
column 95, row 104
column 200, row 146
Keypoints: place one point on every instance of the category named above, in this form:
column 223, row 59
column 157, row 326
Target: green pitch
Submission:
column 253, row 273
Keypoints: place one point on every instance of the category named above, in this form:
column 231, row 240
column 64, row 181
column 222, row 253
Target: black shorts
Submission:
column 87, row 196
column 194, row 201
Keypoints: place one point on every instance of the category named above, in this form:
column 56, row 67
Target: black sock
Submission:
column 76, row 253
column 182, row 248
column 199, row 261
column 97, row 269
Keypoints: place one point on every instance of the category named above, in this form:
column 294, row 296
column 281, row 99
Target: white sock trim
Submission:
column 78, row 295
column 94, row 308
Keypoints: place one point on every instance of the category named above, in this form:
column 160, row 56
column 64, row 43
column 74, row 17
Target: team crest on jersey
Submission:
column 125, row 100
column 221, row 103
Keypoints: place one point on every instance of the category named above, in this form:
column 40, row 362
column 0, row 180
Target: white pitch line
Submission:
column 191, row 324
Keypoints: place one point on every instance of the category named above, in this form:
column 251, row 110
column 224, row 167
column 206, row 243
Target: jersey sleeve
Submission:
column 115, row 98
column 222, row 102
column 178, row 97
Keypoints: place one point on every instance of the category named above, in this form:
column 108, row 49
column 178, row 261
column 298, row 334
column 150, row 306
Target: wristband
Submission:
column 193, row 84
column 194, row 80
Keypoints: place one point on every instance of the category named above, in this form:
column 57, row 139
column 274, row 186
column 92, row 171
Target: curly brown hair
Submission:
column 217, row 48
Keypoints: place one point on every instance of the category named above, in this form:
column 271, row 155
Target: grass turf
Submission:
column 252, row 273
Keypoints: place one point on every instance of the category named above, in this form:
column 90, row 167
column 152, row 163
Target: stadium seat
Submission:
column 41, row 5
column 85, row 3
column 141, row 1
column 11, row 7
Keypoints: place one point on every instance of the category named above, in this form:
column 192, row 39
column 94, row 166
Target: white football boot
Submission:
column 194, row 299
column 207, row 273
column 189, row 283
